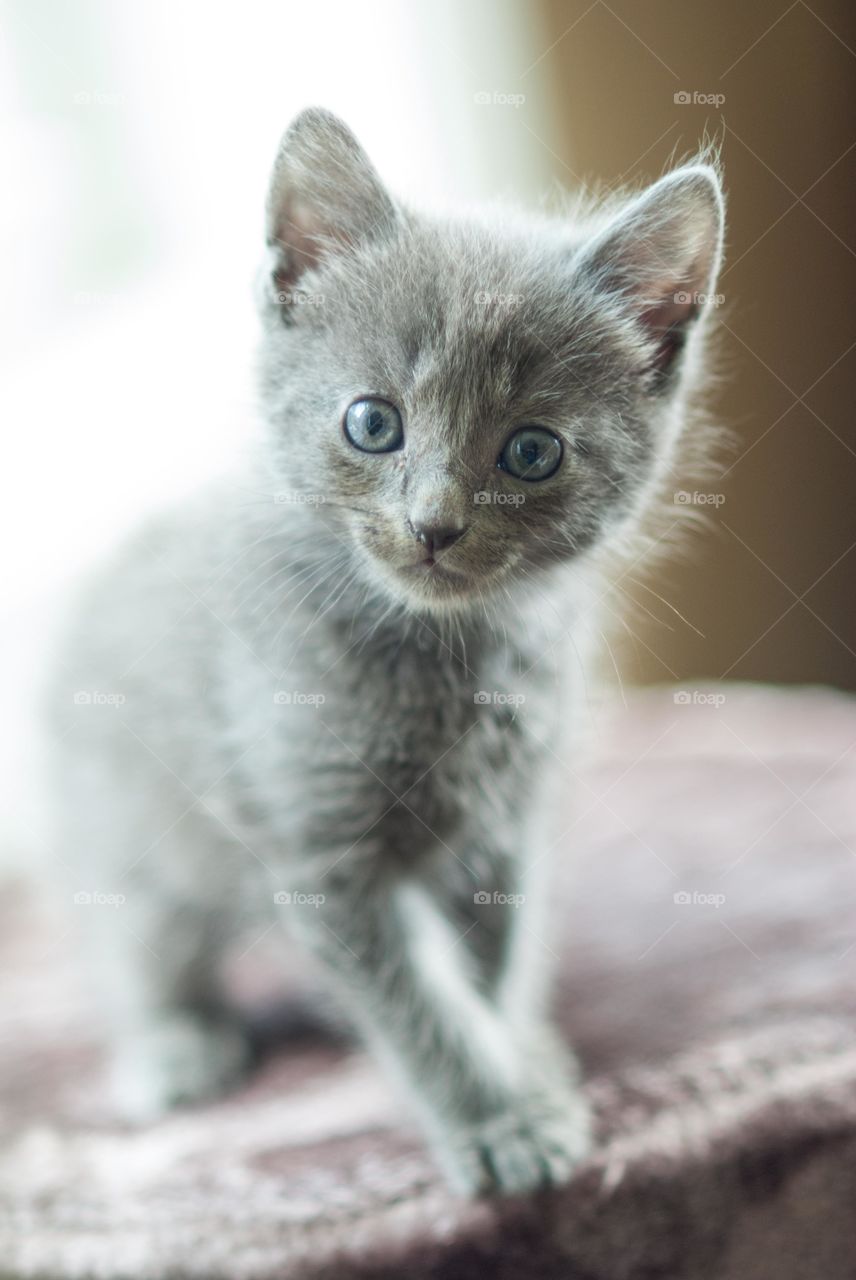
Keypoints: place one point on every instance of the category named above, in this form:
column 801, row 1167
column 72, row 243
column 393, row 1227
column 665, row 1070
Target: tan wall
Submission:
column 789, row 137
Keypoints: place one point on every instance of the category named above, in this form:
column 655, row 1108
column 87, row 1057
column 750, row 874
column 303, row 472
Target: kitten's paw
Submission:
column 538, row 1144
column 181, row 1060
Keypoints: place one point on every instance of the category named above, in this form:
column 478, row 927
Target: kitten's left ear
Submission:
column 324, row 195
column 658, row 259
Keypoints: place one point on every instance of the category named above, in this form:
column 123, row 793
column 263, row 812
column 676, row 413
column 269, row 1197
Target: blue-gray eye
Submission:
column 374, row 426
column 532, row 453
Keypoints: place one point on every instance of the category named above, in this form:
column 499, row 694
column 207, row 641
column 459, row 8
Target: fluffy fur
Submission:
column 287, row 706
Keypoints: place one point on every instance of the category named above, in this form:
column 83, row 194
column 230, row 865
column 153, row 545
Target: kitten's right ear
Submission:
column 658, row 259
column 324, row 194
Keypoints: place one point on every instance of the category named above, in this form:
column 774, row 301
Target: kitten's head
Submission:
column 470, row 402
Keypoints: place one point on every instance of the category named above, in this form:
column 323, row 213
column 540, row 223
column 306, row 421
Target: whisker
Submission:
column 638, row 582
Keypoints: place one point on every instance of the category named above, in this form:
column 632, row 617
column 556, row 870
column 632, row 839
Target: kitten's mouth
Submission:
column 431, row 569
column 431, row 581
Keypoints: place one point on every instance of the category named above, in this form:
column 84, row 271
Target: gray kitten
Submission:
column 335, row 694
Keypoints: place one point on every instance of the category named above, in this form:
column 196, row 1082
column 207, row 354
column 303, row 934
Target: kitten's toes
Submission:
column 537, row 1145
column 183, row 1059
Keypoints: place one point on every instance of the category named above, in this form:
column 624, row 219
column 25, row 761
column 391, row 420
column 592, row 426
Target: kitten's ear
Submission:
column 324, row 194
column 658, row 259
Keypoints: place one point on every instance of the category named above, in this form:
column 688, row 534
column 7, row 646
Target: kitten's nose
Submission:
column 435, row 537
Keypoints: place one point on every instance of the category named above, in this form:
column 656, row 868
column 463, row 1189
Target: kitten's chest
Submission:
column 400, row 745
column 426, row 744
column 414, row 704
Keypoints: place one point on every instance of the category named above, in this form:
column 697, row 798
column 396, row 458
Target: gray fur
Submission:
column 301, row 710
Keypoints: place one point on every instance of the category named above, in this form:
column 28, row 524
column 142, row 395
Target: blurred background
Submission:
column 137, row 141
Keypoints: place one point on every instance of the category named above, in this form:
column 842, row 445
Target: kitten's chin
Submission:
column 433, row 588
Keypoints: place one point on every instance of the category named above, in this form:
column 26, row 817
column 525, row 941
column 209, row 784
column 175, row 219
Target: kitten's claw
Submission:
column 539, row 1144
column 181, row 1060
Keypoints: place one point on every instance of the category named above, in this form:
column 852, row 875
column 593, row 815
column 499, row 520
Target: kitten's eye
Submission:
column 374, row 426
column 532, row 453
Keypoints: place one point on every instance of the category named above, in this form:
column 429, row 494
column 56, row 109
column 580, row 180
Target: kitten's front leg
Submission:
column 498, row 1121
column 502, row 927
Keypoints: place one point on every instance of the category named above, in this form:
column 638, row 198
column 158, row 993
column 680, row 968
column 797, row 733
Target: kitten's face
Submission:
column 454, row 431
column 465, row 406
